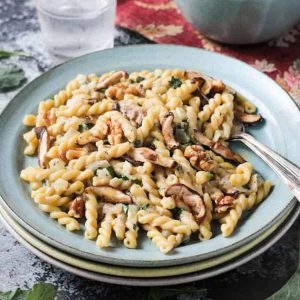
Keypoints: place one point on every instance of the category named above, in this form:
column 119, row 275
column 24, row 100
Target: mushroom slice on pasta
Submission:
column 190, row 198
column 167, row 130
column 145, row 154
column 44, row 145
column 111, row 80
column 217, row 147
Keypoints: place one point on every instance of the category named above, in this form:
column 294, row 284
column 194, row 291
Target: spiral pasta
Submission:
column 121, row 152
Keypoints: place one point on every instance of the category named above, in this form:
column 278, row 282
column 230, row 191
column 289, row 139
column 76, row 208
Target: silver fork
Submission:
column 288, row 172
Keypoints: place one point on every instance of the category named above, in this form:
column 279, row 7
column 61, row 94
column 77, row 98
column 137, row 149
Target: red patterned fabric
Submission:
column 161, row 21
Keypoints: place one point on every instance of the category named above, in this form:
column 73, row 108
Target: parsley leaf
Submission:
column 134, row 226
column 145, row 207
column 209, row 175
column 175, row 82
column 102, row 90
column 139, row 79
column 125, row 208
column 181, row 133
column 85, row 126
column 138, row 143
column 136, row 181
column 177, row 211
column 111, row 171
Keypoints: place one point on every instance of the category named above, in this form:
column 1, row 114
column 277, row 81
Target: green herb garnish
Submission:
column 145, row 207
column 181, row 133
column 113, row 174
column 187, row 144
column 85, row 126
column 209, row 175
column 134, row 226
column 102, row 90
column 111, row 171
column 139, row 79
column 175, row 82
column 177, row 211
column 11, row 77
column 125, row 208
column 136, row 181
column 138, row 143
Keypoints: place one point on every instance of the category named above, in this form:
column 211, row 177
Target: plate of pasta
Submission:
column 123, row 156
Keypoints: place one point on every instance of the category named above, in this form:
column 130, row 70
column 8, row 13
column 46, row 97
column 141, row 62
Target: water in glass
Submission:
column 74, row 27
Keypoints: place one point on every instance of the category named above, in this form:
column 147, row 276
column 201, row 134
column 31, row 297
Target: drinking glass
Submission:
column 74, row 27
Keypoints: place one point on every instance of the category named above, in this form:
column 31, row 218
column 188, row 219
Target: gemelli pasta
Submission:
column 122, row 153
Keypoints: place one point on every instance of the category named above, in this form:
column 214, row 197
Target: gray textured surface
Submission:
column 19, row 30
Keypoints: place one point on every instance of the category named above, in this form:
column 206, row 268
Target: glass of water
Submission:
column 74, row 27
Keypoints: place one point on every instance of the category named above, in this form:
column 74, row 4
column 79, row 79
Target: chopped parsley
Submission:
column 175, row 82
column 102, row 90
column 113, row 174
column 187, row 144
column 111, row 171
column 209, row 175
column 85, row 126
column 139, row 79
column 177, row 211
column 138, row 143
column 125, row 208
column 134, row 226
column 145, row 207
column 136, row 181
column 181, row 134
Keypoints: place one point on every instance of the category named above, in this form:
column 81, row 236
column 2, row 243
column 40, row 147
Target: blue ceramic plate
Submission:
column 280, row 132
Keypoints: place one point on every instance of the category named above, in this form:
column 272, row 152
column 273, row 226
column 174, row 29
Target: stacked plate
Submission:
column 145, row 265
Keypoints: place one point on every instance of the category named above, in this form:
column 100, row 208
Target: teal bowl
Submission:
column 241, row 21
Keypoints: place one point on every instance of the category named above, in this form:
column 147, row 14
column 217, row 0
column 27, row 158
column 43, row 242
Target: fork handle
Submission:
column 288, row 172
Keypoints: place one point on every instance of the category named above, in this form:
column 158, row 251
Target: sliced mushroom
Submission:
column 100, row 213
column 111, row 80
column 110, row 194
column 77, row 208
column 247, row 118
column 148, row 155
column 190, row 198
column 44, row 145
column 207, row 85
column 167, row 130
column 132, row 111
column 201, row 138
column 217, row 147
column 132, row 161
column 195, row 77
column 226, row 153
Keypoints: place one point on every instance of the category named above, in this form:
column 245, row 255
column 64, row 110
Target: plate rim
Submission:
column 119, row 261
column 180, row 279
